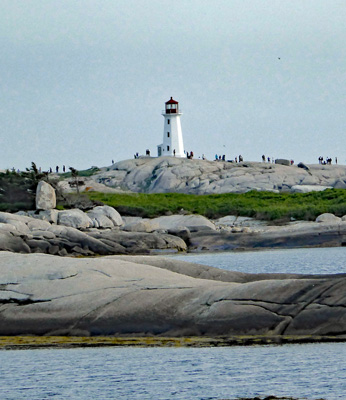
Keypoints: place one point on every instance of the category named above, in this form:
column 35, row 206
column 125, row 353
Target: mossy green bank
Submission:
column 260, row 205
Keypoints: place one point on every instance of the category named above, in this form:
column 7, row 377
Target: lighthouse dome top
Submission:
column 171, row 101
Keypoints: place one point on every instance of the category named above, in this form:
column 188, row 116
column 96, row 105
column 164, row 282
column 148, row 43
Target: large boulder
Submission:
column 105, row 217
column 183, row 221
column 74, row 218
column 45, row 196
column 141, row 225
column 328, row 218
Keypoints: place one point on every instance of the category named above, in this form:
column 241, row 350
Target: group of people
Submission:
column 223, row 158
column 326, row 161
column 57, row 168
column 268, row 159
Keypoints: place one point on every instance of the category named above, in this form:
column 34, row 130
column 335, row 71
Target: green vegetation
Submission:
column 17, row 189
column 261, row 205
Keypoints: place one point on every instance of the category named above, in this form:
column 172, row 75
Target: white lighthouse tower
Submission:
column 172, row 135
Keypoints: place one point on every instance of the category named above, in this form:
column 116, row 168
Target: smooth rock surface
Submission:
column 45, row 196
column 45, row 295
column 74, row 218
column 328, row 217
column 105, row 217
column 169, row 174
column 183, row 221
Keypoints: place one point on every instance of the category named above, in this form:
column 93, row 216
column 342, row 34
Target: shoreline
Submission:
column 66, row 342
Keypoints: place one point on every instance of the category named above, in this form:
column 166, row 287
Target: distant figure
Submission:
column 236, row 159
column 216, row 157
column 191, row 155
column 269, row 159
column 263, row 158
column 174, row 152
column 50, row 170
column 292, row 162
column 63, row 168
column 112, row 161
column 57, row 169
column 224, row 158
column 203, row 157
column 336, row 160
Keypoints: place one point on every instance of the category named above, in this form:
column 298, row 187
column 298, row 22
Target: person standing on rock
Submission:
column 57, row 169
column 263, row 158
column 174, row 152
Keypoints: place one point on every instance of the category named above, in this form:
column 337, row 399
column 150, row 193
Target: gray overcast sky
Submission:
column 84, row 81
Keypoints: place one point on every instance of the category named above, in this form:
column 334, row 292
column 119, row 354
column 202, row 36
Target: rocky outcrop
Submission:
column 45, row 295
column 295, row 234
column 24, row 234
column 101, row 234
column 45, row 196
column 169, row 174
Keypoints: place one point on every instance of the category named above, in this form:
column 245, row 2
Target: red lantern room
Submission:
column 172, row 106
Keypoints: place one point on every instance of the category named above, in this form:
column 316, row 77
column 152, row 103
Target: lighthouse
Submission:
column 172, row 135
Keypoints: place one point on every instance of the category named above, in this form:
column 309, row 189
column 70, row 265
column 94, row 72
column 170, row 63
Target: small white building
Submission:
column 172, row 135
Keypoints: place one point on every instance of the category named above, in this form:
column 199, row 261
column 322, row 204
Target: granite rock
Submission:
column 74, row 218
column 20, row 233
column 45, row 295
column 45, row 196
column 328, row 218
column 168, row 174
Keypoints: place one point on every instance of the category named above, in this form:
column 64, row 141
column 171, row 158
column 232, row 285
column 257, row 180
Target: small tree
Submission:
column 74, row 174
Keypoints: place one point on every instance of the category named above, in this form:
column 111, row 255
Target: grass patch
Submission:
column 261, row 205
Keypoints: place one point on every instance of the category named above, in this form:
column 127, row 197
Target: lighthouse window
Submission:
column 168, row 121
column 167, row 148
column 167, row 134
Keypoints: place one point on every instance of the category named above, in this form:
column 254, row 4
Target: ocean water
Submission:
column 309, row 371
column 331, row 260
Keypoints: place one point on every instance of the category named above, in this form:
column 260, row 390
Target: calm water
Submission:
column 298, row 261
column 311, row 370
